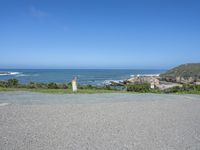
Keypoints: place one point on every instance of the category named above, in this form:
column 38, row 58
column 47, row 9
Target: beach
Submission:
column 31, row 120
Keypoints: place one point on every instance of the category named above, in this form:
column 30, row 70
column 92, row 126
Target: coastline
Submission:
column 85, row 76
column 100, row 81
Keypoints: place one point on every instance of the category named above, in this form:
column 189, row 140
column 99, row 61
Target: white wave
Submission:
column 9, row 73
column 22, row 75
column 26, row 75
column 14, row 73
column 4, row 104
column 146, row 75
column 108, row 82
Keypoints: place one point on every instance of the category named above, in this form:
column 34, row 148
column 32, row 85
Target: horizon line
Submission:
column 85, row 68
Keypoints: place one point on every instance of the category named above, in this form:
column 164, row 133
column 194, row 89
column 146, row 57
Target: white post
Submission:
column 152, row 86
column 74, row 85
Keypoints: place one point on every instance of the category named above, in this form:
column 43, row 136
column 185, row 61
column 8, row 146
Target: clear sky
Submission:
column 99, row 33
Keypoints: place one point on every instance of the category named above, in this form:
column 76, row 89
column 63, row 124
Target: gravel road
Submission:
column 30, row 121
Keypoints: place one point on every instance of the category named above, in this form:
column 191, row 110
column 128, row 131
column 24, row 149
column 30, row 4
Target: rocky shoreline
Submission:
column 156, row 82
column 178, row 76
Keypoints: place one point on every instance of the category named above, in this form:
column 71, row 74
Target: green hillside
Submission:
column 185, row 71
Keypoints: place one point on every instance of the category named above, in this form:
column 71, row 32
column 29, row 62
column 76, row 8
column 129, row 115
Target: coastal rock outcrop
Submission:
column 152, row 80
column 184, row 74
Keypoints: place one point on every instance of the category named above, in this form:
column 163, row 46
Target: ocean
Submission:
column 84, row 76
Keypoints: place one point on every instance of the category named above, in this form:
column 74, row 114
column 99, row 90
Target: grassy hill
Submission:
column 185, row 71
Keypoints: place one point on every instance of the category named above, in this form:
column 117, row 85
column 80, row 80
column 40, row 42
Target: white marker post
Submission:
column 74, row 85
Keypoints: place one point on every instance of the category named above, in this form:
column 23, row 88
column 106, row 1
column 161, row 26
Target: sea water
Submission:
column 84, row 76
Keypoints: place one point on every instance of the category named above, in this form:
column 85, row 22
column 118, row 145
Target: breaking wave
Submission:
column 145, row 75
column 9, row 73
column 108, row 82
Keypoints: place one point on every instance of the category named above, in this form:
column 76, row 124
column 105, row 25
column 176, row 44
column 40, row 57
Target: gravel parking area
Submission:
column 99, row 121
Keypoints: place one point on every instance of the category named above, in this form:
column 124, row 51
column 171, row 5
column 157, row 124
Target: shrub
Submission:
column 139, row 87
column 3, row 84
column 52, row 85
column 86, row 86
column 12, row 83
column 35, row 85
column 62, row 86
column 42, row 85
column 69, row 84
column 107, row 87
column 31, row 85
column 188, row 88
column 174, row 89
column 93, row 87
column 197, row 87
column 89, row 87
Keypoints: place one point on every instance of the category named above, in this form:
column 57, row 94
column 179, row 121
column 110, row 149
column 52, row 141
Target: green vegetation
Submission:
column 185, row 89
column 13, row 82
column 9, row 83
column 139, row 87
column 60, row 91
column 14, row 85
column 183, row 71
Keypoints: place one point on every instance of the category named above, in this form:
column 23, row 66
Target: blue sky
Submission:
column 148, row 34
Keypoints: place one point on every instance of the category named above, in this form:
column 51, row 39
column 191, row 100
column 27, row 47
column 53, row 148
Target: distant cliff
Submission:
column 186, row 73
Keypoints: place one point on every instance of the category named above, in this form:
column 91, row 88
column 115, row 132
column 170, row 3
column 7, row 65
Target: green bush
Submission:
column 63, row 86
column 31, row 85
column 139, row 87
column 174, row 89
column 3, row 84
column 93, row 87
column 52, row 85
column 186, row 88
column 12, row 83
column 197, row 87
column 88, row 87
column 35, row 85
column 107, row 87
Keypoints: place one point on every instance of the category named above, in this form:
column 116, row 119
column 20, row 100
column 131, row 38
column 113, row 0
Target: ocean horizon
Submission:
column 84, row 76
